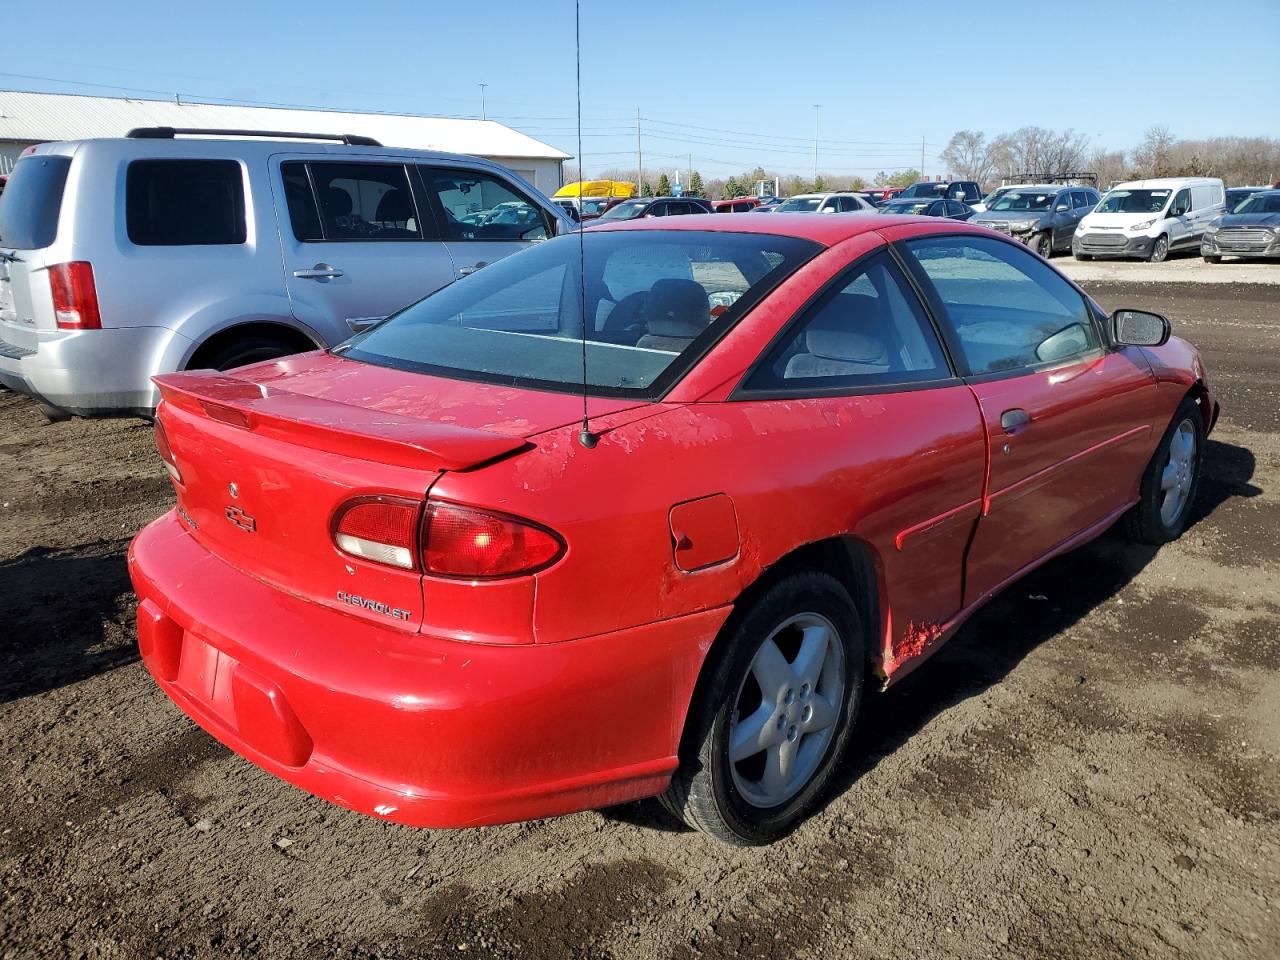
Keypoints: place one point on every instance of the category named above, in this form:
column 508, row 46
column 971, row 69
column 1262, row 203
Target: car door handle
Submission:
column 1011, row 421
column 321, row 271
column 468, row 271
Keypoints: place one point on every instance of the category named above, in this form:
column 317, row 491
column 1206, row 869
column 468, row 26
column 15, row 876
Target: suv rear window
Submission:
column 172, row 203
column 31, row 202
column 655, row 299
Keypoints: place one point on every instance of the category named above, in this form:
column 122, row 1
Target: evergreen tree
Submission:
column 819, row 184
column 664, row 186
column 646, row 189
column 731, row 188
column 695, row 184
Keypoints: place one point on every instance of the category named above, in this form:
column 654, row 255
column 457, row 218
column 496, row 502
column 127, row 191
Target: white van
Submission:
column 1149, row 218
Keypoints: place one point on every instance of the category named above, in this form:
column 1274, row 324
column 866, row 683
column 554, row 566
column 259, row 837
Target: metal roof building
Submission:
column 27, row 118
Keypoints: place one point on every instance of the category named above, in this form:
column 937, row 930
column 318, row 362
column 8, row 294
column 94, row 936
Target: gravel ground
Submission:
column 1179, row 268
column 1089, row 769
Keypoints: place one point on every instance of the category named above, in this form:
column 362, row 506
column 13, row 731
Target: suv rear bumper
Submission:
column 427, row 731
column 89, row 372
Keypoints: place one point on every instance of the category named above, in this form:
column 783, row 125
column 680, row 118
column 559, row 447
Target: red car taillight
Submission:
column 379, row 529
column 448, row 541
column 465, row 542
column 166, row 453
column 75, row 296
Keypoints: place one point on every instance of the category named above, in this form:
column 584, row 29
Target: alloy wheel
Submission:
column 1179, row 473
column 787, row 709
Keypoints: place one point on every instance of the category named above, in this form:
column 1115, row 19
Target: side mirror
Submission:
column 1138, row 328
column 1062, row 207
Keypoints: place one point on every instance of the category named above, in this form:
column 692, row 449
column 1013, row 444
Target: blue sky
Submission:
column 733, row 84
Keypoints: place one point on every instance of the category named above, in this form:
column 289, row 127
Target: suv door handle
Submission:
column 321, row 271
column 1011, row 421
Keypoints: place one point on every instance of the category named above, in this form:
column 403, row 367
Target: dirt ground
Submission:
column 1091, row 768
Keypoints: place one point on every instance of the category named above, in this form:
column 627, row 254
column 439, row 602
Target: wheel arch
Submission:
column 286, row 333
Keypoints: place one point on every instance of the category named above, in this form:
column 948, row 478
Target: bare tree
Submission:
column 970, row 156
column 1040, row 152
column 1110, row 166
column 1153, row 156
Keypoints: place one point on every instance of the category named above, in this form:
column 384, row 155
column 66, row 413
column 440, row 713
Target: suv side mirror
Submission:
column 1139, row 328
column 1062, row 208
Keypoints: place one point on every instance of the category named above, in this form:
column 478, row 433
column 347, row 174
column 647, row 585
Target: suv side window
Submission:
column 480, row 206
column 1079, row 199
column 350, row 201
column 184, row 203
column 831, row 203
column 1008, row 310
column 868, row 329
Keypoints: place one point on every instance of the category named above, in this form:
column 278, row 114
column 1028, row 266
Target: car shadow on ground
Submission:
column 985, row 649
column 69, row 617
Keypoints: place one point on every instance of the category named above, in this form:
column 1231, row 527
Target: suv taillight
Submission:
column 478, row 544
column 379, row 529
column 166, row 452
column 75, row 297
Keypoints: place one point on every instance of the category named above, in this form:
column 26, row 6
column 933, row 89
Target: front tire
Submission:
column 1171, row 480
column 1159, row 250
column 1211, row 259
column 1084, row 256
column 1042, row 243
column 774, row 712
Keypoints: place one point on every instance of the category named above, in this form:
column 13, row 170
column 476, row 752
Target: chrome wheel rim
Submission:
column 1178, row 474
column 1162, row 248
column 785, row 713
column 1044, row 247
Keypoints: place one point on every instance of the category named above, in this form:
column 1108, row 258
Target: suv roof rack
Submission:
column 168, row 133
column 1067, row 179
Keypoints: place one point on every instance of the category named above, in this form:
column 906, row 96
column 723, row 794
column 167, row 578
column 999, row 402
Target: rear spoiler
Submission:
column 331, row 426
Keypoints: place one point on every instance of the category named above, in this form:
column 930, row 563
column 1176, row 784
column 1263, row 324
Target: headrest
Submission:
column 337, row 202
column 840, row 344
column 394, row 207
column 677, row 308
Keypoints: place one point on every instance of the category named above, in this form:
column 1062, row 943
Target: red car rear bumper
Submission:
column 422, row 730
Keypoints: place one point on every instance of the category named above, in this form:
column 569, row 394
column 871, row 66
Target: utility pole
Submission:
column 639, row 159
column 483, row 116
column 816, row 108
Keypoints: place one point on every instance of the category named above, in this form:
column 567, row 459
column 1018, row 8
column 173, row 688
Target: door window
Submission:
column 868, row 330
column 831, row 204
column 184, row 202
column 350, row 201
column 1008, row 309
column 1182, row 201
column 1079, row 199
column 479, row 206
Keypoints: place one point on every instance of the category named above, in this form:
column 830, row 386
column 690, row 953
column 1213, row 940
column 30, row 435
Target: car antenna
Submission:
column 585, row 436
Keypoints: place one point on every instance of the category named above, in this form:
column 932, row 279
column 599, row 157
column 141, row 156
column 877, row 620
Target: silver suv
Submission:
column 125, row 258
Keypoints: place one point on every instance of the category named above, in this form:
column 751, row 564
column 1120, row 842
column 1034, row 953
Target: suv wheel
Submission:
column 240, row 353
column 1160, row 249
column 775, row 709
column 1042, row 243
column 1212, row 259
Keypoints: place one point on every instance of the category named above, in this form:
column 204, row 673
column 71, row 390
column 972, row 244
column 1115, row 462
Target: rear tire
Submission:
column 1159, row 250
column 240, row 353
column 1171, row 480
column 773, row 714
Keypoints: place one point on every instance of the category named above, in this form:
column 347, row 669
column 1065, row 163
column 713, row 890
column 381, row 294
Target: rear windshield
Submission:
column 1133, row 201
column 905, row 206
column 626, row 211
column 924, row 190
column 656, row 300
column 31, row 201
column 799, row 205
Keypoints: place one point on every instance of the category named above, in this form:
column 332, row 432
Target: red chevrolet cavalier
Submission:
column 403, row 575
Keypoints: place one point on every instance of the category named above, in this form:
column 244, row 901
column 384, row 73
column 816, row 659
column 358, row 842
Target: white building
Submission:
column 29, row 118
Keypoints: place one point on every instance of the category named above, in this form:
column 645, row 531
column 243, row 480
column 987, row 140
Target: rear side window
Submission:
column 350, row 201
column 1008, row 309
column 31, row 202
column 173, row 203
column 869, row 330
